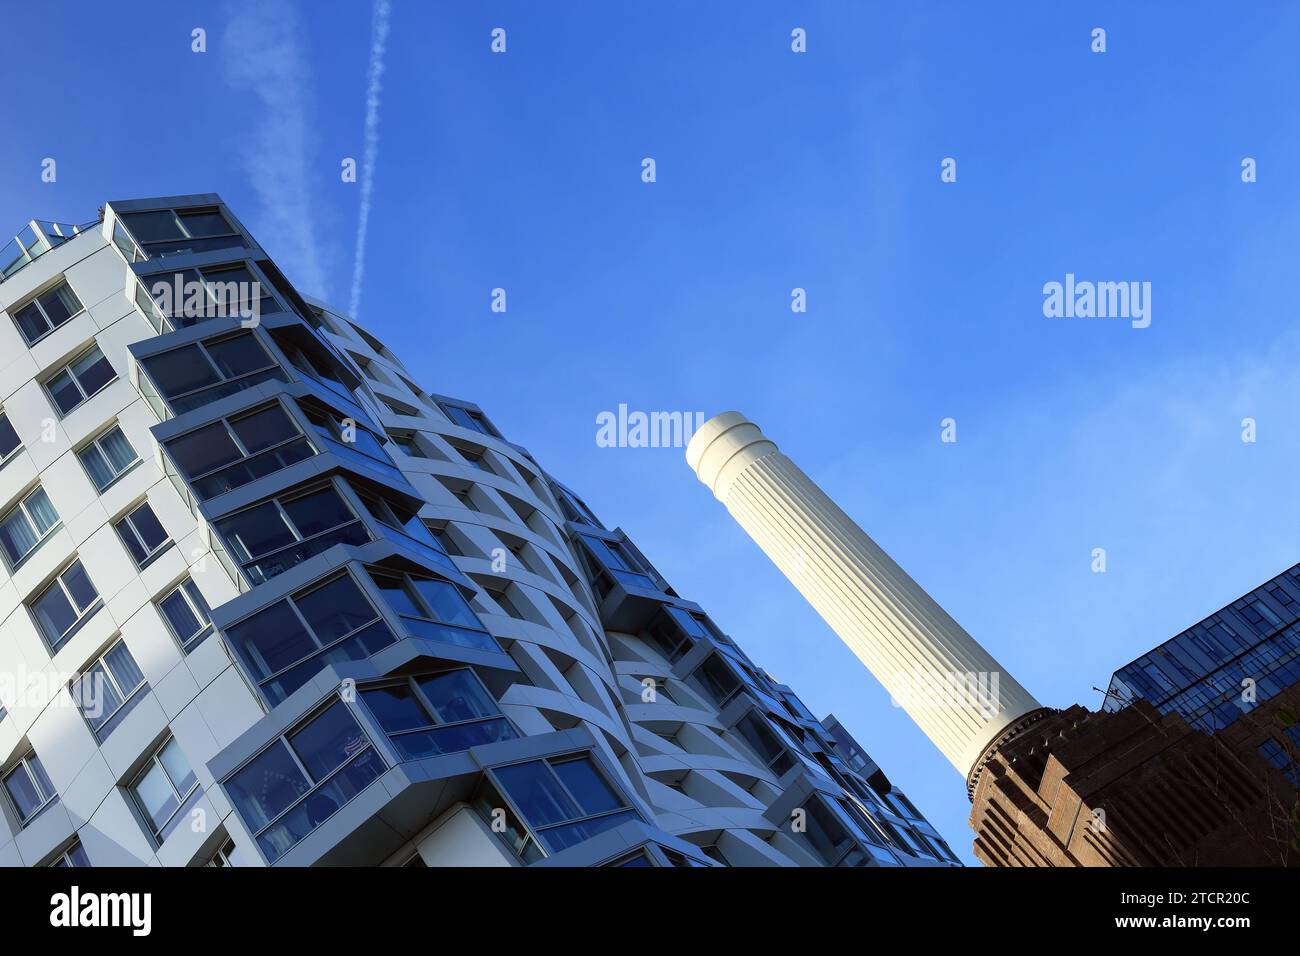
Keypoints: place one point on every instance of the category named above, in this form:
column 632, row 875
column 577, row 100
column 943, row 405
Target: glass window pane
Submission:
column 60, row 305
column 124, row 668
column 180, row 371
column 238, row 355
column 329, row 741
column 153, row 226
column 446, row 603
column 588, row 787
column 31, row 321
column 43, row 514
column 65, row 392
column 335, row 609
column 155, row 795
column 79, row 586
column 536, row 792
column 396, row 594
column 396, row 708
column 180, row 615
column 97, row 466
column 265, row 428
column 118, row 450
column 271, row 640
column 203, row 450
column 92, row 371
column 9, row 440
column 24, row 795
column 267, row 786
column 96, row 696
column 256, row 531
column 148, row 527
column 177, row 767
column 458, row 696
column 203, row 223
column 17, row 536
column 317, row 511
column 197, row 600
column 54, row 613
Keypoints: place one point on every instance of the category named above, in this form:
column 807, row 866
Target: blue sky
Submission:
column 778, row 170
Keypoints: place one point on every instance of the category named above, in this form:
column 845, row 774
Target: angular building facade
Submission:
column 267, row 602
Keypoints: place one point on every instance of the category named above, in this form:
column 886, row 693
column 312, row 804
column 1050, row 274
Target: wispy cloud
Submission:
column 374, row 86
column 264, row 56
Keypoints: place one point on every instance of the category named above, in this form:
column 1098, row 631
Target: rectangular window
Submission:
column 191, row 296
column 142, row 534
column 432, row 609
column 10, row 443
column 222, row 858
column 186, row 613
column 65, row 605
column 286, row 644
column 167, row 232
column 45, row 313
column 29, row 787
column 270, row 538
column 303, row 778
column 193, row 375
column 227, row 454
column 165, row 789
column 73, row 856
column 79, row 380
column 109, row 689
column 108, row 458
column 467, row 418
column 564, row 800
column 437, row 714
column 26, row 525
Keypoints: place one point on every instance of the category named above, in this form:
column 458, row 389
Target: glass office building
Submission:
column 269, row 602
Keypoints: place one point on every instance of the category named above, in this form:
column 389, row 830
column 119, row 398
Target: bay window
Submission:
column 437, row 713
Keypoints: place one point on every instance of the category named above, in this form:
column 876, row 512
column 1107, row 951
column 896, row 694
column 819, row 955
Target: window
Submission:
column 193, row 375
column 432, row 609
column 303, row 778
column 165, row 789
column 676, row 630
column 65, row 604
column 270, row 538
column 232, row 291
column 506, row 604
column 74, row 856
column 410, row 444
column 167, row 232
column 223, row 855
column 142, row 533
column 10, row 443
column 229, row 453
column 394, row 514
column 109, row 689
column 346, row 432
column 437, row 714
column 615, row 558
column 765, row 742
column 26, row 525
column 467, row 418
column 475, row 457
column 186, row 613
column 79, row 380
column 108, row 458
column 29, row 787
column 718, row 680
column 45, row 313
column 564, row 800
column 286, row 644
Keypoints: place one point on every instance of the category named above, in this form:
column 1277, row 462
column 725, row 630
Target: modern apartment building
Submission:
column 266, row 601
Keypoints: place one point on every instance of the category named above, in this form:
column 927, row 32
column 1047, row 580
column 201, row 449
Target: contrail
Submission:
column 374, row 85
